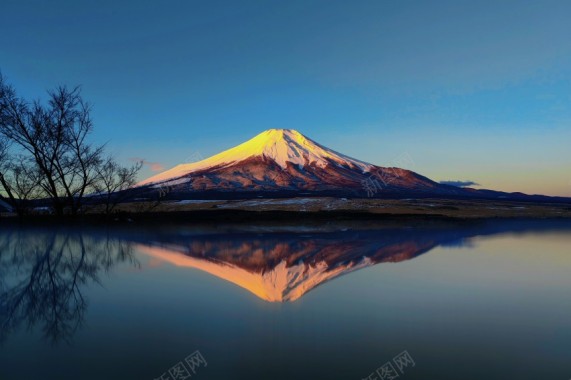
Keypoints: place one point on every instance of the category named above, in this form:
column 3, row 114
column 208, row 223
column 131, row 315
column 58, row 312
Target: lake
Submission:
column 339, row 300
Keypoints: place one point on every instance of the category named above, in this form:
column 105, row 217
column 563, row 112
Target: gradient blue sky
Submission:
column 477, row 91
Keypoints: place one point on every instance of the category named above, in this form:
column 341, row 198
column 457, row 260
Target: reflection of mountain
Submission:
column 280, row 283
column 285, row 267
column 281, row 267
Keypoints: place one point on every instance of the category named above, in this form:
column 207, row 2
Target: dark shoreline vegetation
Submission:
column 316, row 210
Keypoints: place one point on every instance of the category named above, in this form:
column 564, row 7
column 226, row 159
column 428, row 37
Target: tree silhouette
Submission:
column 45, row 150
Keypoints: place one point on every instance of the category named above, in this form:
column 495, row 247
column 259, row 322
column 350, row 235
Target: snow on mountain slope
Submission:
column 285, row 162
column 281, row 146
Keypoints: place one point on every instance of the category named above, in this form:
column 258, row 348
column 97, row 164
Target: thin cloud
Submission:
column 153, row 166
column 460, row 183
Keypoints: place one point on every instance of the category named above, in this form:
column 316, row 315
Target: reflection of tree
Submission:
column 41, row 275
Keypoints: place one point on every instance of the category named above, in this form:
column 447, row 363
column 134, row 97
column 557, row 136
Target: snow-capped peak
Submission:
column 280, row 145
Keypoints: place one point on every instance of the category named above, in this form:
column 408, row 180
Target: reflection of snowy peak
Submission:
column 280, row 263
column 280, row 284
column 278, row 269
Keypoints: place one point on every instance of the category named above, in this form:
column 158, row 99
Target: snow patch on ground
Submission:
column 198, row 201
column 272, row 202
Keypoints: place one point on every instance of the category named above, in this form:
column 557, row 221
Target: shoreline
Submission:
column 308, row 209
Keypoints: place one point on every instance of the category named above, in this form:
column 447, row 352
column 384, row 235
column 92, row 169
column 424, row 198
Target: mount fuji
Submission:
column 283, row 162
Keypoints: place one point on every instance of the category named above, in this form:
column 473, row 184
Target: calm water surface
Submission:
column 485, row 300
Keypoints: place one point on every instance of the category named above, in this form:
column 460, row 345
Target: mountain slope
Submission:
column 284, row 147
column 283, row 162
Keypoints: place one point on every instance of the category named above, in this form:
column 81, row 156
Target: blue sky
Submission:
column 471, row 91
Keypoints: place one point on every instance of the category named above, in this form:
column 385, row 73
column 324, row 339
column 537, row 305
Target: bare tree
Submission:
column 4, row 165
column 113, row 181
column 22, row 181
column 26, row 180
column 77, row 164
column 55, row 137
